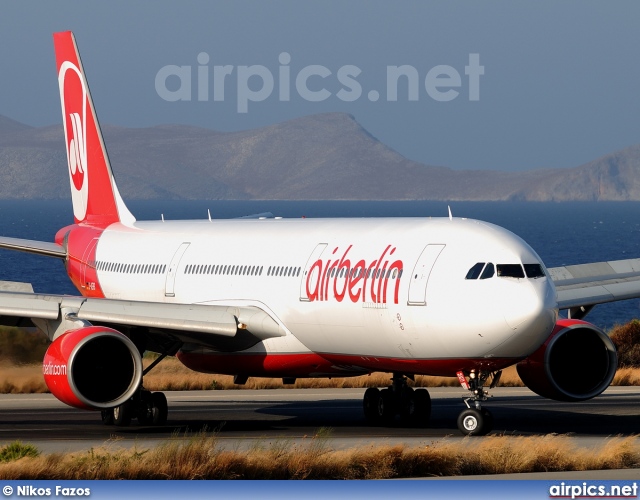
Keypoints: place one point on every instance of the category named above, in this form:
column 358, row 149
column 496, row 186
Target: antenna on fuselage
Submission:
column 162, row 217
column 209, row 214
column 450, row 216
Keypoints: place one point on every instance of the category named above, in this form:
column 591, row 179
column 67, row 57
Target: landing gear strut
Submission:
column 475, row 420
column 149, row 408
column 382, row 406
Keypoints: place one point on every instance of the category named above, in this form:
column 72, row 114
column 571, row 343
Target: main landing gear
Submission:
column 475, row 420
column 381, row 407
column 412, row 405
column 149, row 408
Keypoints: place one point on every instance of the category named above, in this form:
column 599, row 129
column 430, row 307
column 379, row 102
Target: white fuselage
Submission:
column 362, row 288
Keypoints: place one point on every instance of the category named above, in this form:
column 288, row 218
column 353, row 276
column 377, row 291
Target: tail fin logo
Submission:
column 73, row 96
column 77, row 152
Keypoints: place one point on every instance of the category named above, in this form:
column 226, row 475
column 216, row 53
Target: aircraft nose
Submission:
column 522, row 303
column 525, row 301
column 531, row 314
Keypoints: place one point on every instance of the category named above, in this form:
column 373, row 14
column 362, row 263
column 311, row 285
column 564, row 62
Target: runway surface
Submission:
column 243, row 417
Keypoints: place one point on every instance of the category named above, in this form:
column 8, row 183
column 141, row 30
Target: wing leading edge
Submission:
column 213, row 326
column 33, row 246
column 583, row 286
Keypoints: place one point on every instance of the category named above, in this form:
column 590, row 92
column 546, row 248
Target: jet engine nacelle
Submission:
column 577, row 362
column 92, row 368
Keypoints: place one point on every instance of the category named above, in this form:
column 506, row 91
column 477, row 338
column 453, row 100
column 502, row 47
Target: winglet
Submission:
column 95, row 195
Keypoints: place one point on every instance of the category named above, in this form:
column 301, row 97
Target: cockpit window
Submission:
column 474, row 272
column 510, row 271
column 482, row 271
column 488, row 272
column 533, row 270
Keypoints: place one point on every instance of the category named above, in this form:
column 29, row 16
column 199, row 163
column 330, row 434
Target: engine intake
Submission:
column 92, row 368
column 577, row 362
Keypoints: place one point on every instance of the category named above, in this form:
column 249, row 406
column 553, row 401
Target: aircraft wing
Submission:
column 583, row 286
column 217, row 326
column 33, row 246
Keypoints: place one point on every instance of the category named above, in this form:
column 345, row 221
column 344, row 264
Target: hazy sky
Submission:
column 559, row 83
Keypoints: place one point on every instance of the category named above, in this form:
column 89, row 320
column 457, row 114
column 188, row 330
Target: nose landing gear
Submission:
column 412, row 405
column 475, row 420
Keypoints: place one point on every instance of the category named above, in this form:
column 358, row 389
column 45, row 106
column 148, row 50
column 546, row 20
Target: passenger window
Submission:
column 510, row 271
column 488, row 272
column 533, row 270
column 474, row 272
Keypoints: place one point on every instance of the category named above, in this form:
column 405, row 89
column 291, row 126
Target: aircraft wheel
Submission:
column 407, row 405
column 488, row 421
column 144, row 408
column 422, row 413
column 370, row 405
column 107, row 416
column 145, row 412
column 160, row 408
column 472, row 422
column 386, row 406
column 122, row 414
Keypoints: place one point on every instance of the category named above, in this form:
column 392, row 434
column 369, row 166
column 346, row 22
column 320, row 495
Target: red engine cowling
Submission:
column 577, row 362
column 92, row 368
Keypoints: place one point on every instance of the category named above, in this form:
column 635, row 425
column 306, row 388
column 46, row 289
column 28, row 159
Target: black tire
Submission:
column 145, row 413
column 160, row 408
column 387, row 407
column 422, row 414
column 122, row 414
column 107, row 416
column 407, row 405
column 144, row 408
column 370, row 405
column 471, row 422
column 488, row 421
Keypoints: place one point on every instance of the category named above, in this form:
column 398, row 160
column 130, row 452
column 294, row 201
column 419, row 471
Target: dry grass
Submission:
column 627, row 340
column 171, row 375
column 21, row 379
column 201, row 457
column 627, row 376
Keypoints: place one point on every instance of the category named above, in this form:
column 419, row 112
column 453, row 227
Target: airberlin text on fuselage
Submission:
column 359, row 282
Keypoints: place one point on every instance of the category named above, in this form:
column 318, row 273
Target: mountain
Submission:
column 9, row 126
column 319, row 157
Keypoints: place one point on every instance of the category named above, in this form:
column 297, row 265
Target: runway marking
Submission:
column 27, row 430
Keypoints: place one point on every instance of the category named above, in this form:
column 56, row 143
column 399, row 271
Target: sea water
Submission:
column 561, row 233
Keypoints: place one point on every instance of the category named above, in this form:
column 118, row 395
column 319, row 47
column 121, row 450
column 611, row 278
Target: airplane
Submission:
column 292, row 298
